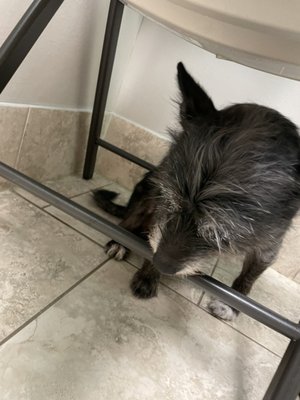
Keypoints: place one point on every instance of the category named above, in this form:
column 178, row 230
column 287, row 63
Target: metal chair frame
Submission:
column 285, row 384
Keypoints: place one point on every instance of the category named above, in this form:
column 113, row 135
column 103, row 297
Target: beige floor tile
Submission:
column 297, row 278
column 99, row 342
column 40, row 258
column 287, row 262
column 68, row 186
column 54, row 143
column 86, row 200
column 272, row 290
column 187, row 289
column 12, row 123
column 124, row 134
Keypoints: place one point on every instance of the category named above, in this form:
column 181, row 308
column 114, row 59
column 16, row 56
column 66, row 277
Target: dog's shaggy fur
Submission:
column 229, row 183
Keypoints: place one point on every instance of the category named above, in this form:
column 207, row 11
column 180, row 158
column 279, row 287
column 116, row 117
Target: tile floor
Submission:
column 70, row 328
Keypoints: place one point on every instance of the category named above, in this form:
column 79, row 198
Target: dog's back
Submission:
column 230, row 182
column 237, row 171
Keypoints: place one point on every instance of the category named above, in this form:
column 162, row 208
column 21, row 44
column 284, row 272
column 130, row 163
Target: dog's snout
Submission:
column 164, row 263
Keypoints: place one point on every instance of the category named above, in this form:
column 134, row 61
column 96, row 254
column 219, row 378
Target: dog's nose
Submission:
column 164, row 263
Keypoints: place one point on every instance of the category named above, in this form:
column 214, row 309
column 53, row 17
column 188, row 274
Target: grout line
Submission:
column 215, row 266
column 74, row 229
column 88, row 191
column 22, row 139
column 201, row 298
column 26, row 199
column 53, row 107
column 228, row 324
column 53, row 302
column 163, row 136
column 205, row 310
column 69, row 197
column 211, row 274
column 44, row 209
column 97, row 268
column 133, row 265
column 294, row 277
column 242, row 333
column 81, row 194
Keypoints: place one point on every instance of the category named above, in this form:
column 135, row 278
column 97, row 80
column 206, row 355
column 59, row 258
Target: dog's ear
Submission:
column 195, row 102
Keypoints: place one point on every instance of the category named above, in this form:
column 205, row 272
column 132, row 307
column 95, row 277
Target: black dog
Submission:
column 229, row 183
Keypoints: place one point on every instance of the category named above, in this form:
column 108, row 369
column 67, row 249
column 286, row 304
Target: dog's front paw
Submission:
column 222, row 310
column 116, row 250
column 143, row 286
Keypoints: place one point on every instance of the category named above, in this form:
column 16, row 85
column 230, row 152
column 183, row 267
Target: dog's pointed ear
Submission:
column 195, row 102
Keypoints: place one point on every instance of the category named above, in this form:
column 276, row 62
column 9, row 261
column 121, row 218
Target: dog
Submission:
column 230, row 183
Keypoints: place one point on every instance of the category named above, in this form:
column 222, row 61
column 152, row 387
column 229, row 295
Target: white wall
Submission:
column 150, row 80
column 61, row 69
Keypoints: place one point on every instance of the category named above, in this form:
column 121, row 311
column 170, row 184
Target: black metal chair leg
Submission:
column 285, row 384
column 106, row 65
column 23, row 37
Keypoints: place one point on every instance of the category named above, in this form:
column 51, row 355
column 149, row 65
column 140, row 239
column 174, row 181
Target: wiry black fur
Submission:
column 229, row 183
column 136, row 216
column 104, row 199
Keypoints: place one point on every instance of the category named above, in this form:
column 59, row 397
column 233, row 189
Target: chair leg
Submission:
column 285, row 384
column 113, row 25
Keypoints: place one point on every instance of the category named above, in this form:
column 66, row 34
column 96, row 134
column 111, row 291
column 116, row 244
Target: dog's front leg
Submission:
column 145, row 281
column 254, row 265
column 135, row 223
column 138, row 220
